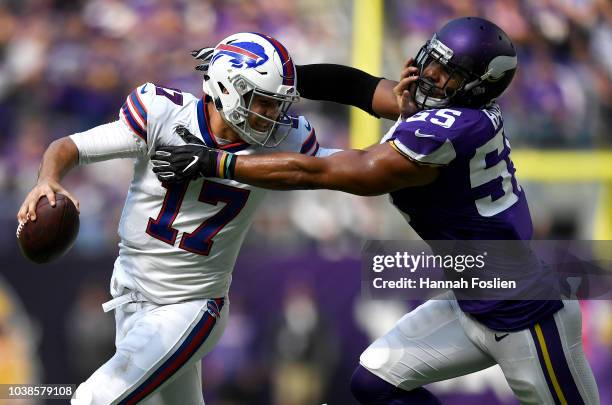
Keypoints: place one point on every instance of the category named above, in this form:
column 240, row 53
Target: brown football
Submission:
column 53, row 232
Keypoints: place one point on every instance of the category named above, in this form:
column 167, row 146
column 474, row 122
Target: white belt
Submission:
column 132, row 296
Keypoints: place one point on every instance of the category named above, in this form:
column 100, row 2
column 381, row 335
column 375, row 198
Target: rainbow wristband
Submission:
column 226, row 164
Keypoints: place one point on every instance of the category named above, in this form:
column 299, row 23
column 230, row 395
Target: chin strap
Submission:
column 429, row 102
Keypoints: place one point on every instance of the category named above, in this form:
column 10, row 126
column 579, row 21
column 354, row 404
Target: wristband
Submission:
column 225, row 165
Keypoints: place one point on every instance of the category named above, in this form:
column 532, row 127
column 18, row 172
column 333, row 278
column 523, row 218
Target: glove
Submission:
column 176, row 164
column 204, row 55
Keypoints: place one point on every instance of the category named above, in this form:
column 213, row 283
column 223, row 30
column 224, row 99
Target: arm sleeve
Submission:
column 109, row 141
column 337, row 83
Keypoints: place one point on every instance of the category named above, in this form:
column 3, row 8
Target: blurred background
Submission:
column 298, row 321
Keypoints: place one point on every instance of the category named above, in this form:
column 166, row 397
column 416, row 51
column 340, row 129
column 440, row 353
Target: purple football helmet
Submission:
column 477, row 54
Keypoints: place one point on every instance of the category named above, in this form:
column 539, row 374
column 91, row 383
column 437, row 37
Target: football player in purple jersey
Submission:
column 446, row 164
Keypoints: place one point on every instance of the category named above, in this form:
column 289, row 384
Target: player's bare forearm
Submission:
column 290, row 171
column 59, row 158
column 375, row 171
column 384, row 102
column 280, row 171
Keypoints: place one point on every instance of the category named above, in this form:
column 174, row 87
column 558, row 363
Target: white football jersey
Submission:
column 180, row 241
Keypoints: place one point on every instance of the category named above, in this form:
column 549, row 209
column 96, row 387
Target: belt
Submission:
column 132, row 296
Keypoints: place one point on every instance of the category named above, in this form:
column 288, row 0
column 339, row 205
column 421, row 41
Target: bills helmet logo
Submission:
column 242, row 54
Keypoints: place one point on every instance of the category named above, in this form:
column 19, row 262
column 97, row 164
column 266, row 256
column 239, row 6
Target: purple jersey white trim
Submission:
column 475, row 197
column 439, row 155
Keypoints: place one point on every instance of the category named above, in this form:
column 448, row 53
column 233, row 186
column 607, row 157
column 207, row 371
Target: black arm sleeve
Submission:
column 337, row 83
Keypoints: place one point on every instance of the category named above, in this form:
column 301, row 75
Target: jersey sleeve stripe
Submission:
column 132, row 123
column 140, row 107
column 316, row 149
column 441, row 156
column 309, row 142
column 137, row 109
column 135, row 115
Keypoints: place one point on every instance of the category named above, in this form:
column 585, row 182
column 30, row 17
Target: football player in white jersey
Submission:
column 179, row 240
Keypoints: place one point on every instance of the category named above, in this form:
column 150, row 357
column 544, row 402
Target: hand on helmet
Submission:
column 175, row 164
column 204, row 55
column 404, row 91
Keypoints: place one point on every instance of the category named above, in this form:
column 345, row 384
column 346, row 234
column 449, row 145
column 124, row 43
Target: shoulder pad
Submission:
column 307, row 137
column 135, row 110
column 301, row 137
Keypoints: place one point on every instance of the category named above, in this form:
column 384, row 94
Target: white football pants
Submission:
column 543, row 364
column 159, row 348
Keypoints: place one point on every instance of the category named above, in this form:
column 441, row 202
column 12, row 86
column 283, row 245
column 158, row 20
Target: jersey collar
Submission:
column 208, row 136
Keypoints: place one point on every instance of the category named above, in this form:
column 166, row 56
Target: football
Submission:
column 53, row 232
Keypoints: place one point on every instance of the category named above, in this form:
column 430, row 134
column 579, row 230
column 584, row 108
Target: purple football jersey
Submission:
column 475, row 197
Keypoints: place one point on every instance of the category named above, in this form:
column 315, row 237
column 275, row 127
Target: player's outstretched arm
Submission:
column 346, row 85
column 378, row 170
column 59, row 158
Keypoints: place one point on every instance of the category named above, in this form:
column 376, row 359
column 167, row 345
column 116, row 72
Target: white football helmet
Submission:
column 244, row 65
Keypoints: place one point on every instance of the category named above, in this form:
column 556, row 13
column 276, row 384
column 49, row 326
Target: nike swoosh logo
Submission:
column 144, row 89
column 422, row 135
column 193, row 162
column 498, row 338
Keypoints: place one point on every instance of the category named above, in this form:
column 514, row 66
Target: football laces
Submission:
column 19, row 228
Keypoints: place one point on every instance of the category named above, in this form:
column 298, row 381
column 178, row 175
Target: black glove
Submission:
column 175, row 164
column 204, row 55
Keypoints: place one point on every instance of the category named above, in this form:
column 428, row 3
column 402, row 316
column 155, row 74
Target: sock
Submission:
column 370, row 389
